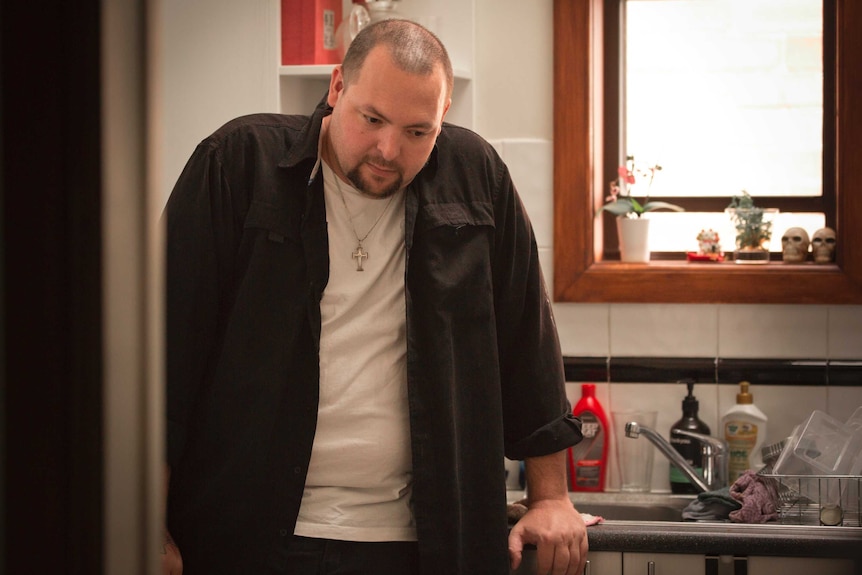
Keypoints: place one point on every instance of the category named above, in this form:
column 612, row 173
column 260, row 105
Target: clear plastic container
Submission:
column 821, row 447
column 827, row 444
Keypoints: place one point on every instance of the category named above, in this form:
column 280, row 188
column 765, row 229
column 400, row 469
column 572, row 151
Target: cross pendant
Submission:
column 359, row 255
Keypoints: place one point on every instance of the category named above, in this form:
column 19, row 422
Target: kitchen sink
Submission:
column 632, row 506
column 618, row 506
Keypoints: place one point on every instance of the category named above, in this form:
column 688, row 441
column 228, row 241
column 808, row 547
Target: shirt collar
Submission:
column 307, row 146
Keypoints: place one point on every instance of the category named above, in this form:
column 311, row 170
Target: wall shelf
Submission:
column 301, row 87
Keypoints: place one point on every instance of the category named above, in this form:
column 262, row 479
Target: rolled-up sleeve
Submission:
column 536, row 413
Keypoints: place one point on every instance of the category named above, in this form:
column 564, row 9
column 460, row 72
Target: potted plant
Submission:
column 753, row 229
column 632, row 227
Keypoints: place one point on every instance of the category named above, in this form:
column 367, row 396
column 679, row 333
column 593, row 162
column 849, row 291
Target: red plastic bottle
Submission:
column 588, row 460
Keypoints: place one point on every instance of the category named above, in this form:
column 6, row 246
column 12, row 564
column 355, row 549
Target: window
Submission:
column 726, row 95
column 586, row 137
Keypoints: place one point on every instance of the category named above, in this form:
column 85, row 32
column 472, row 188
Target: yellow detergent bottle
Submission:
column 744, row 429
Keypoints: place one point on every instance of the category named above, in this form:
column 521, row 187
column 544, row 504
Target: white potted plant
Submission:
column 632, row 227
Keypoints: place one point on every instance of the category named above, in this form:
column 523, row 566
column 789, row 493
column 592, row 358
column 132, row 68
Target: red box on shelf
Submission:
column 308, row 31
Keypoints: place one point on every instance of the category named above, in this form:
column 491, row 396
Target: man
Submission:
column 357, row 331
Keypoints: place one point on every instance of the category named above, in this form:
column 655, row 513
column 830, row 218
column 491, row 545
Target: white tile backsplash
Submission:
column 773, row 331
column 664, row 330
column 845, row 332
column 584, row 329
column 842, row 401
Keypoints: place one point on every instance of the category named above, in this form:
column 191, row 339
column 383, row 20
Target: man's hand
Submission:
column 172, row 560
column 558, row 532
column 551, row 522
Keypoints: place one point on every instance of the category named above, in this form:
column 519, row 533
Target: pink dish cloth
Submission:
column 758, row 496
column 591, row 519
column 516, row 510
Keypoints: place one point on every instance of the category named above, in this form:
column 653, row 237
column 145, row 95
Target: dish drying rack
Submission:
column 819, row 499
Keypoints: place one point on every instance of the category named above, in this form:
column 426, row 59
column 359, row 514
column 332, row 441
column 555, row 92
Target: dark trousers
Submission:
column 306, row 556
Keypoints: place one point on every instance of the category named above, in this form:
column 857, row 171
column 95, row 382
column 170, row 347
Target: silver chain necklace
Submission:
column 359, row 253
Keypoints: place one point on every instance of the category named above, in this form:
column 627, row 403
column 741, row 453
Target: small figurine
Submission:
column 708, row 243
column 708, row 248
column 823, row 245
column 794, row 246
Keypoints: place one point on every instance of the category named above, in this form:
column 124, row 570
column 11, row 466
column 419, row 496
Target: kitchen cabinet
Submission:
column 301, row 87
column 663, row 564
column 600, row 563
column 615, row 563
column 604, row 563
column 799, row 566
column 625, row 563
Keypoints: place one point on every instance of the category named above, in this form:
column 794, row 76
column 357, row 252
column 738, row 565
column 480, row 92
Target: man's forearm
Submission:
column 546, row 477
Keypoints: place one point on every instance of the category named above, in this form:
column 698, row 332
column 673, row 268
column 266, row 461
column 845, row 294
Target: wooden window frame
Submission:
column 580, row 272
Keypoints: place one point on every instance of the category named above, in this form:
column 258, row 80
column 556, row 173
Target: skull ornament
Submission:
column 823, row 245
column 794, row 245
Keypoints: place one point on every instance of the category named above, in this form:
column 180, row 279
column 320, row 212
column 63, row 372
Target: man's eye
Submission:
column 372, row 120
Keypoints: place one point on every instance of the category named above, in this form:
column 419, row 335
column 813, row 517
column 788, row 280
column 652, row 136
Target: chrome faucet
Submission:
column 713, row 451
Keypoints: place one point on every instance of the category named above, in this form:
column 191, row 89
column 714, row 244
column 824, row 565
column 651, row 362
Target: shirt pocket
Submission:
column 278, row 225
column 456, row 216
column 272, row 256
column 450, row 261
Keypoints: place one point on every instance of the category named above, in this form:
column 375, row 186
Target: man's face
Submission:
column 383, row 127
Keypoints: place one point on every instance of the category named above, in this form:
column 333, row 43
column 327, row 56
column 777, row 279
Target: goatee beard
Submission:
column 363, row 186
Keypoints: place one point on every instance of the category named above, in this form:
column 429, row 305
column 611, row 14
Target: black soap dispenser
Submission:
column 688, row 447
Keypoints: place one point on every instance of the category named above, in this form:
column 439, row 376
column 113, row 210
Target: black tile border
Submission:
column 697, row 369
column 847, row 373
column 593, row 369
column 812, row 372
column 774, row 371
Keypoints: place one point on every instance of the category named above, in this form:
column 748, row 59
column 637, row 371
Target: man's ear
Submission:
column 443, row 117
column 336, row 86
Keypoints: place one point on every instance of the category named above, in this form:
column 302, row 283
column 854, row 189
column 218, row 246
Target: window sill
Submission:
column 684, row 282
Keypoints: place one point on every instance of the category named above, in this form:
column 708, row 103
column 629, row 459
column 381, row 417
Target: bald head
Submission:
column 413, row 49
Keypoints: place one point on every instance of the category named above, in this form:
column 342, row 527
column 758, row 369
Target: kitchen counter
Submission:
column 727, row 539
column 652, row 522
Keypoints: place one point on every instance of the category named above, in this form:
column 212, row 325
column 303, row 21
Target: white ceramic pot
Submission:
column 633, row 234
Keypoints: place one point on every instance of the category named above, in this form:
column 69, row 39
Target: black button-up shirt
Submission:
column 247, row 263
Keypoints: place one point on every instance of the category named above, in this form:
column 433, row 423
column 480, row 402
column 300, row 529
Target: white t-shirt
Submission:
column 359, row 477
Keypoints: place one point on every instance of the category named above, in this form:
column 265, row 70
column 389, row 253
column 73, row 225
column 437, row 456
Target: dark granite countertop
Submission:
column 727, row 539
column 651, row 522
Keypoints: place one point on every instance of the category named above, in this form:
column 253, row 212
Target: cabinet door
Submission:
column 600, row 563
column 664, row 564
column 604, row 563
column 799, row 566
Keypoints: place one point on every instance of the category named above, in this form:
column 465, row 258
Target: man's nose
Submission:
column 389, row 144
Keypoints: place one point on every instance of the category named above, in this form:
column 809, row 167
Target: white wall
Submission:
column 215, row 60
column 514, row 69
